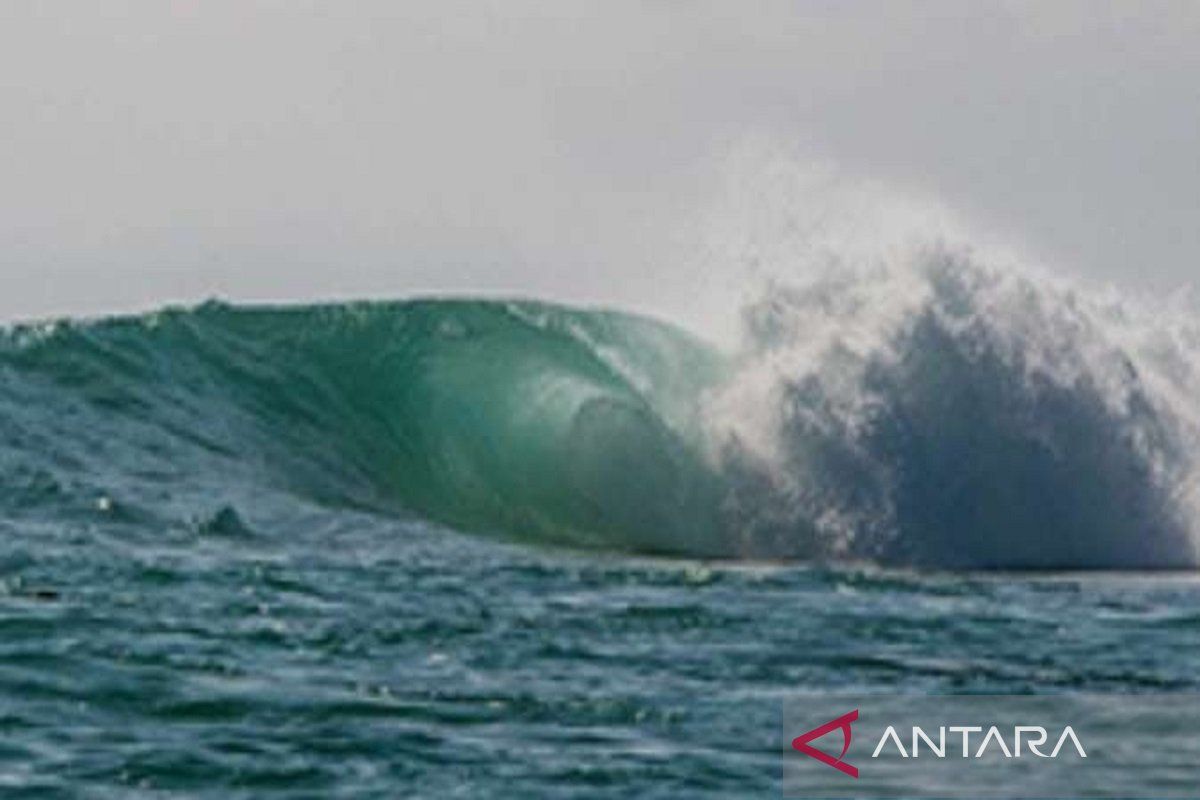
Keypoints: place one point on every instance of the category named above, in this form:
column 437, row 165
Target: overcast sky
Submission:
column 162, row 151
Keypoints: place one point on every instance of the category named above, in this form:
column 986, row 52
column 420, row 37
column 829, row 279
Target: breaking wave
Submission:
column 942, row 413
column 935, row 412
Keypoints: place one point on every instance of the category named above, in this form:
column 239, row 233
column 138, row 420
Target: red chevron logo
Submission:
column 801, row 743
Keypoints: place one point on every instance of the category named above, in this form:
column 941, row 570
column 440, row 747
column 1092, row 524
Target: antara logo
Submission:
column 1034, row 737
column 843, row 722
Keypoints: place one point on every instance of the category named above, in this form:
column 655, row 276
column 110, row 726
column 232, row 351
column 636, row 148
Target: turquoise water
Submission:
column 497, row 550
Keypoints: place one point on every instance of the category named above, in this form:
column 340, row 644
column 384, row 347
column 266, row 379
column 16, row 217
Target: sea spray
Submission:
column 935, row 410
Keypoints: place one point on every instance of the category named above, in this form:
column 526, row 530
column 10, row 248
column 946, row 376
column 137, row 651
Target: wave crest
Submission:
column 931, row 412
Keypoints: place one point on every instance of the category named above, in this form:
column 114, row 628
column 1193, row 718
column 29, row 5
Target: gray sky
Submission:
column 161, row 151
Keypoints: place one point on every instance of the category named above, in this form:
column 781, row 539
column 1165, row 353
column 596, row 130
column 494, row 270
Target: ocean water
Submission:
column 488, row 549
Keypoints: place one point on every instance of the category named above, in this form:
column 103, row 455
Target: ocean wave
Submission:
column 934, row 412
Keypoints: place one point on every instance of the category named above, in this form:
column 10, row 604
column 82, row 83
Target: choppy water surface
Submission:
column 356, row 656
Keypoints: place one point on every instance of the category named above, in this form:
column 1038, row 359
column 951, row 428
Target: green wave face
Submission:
column 534, row 421
column 522, row 419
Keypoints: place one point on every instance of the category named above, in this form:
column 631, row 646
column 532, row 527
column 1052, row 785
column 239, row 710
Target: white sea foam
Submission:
column 907, row 393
